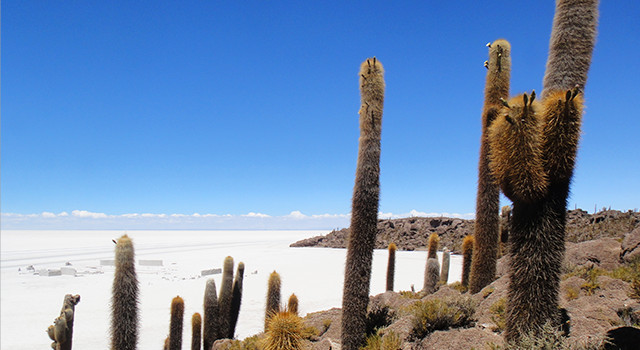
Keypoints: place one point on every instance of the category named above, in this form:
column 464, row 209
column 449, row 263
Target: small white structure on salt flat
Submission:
column 50, row 272
column 211, row 272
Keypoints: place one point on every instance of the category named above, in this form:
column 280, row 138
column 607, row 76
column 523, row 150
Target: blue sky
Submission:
column 231, row 108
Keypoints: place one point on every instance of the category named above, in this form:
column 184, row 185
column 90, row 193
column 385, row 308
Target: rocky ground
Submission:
column 413, row 233
column 600, row 288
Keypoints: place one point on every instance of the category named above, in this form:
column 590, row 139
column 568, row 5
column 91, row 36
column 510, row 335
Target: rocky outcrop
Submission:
column 631, row 246
column 412, row 233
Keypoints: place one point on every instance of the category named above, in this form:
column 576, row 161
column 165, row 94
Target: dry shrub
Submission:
column 437, row 314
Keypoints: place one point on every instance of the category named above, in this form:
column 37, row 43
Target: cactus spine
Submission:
column 364, row 209
column 225, row 297
column 273, row 298
column 175, row 328
column 432, row 247
column 446, row 261
column 124, row 300
column 196, row 331
column 292, row 304
column 284, row 332
column 467, row 258
column 210, row 331
column 496, row 88
column 236, row 299
column 391, row 266
column 431, row 276
column 61, row 332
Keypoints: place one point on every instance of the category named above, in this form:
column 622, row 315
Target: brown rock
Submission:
column 468, row 338
column 631, row 246
column 603, row 253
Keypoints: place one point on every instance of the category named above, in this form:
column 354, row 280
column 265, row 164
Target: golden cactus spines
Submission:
column 432, row 248
column 196, row 331
column 273, row 298
column 364, row 209
column 516, row 159
column 562, row 116
column 292, row 304
column 177, row 319
column 284, row 332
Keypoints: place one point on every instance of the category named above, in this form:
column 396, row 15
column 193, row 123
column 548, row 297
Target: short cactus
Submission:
column 432, row 247
column 196, row 331
column 273, row 298
column 211, row 327
column 61, row 332
column 292, row 304
column 225, row 297
column 467, row 258
column 284, row 332
column 177, row 319
column 446, row 261
column 391, row 266
column 431, row 276
column 236, row 299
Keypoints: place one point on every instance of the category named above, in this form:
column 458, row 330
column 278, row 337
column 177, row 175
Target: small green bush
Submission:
column 390, row 341
column 498, row 314
column 436, row 314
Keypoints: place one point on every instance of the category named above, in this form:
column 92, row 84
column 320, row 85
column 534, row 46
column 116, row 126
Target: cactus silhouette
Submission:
column 236, row 299
column 225, row 297
column 61, row 332
column 196, row 331
column 446, row 261
column 391, row 266
column 431, row 276
column 273, row 298
column 284, row 332
column 292, row 304
column 211, row 327
column 124, row 300
column 364, row 209
column 177, row 319
column 432, row 247
column 488, row 197
column 467, row 258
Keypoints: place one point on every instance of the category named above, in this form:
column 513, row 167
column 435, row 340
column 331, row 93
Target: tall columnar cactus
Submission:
column 467, row 258
column 177, row 319
column 292, row 304
column 391, row 266
column 196, row 331
column 432, row 247
column 61, row 332
column 273, row 298
column 124, row 300
column 225, row 297
column 446, row 261
column 539, row 207
column 488, row 198
column 431, row 276
column 364, row 211
column 573, row 37
column 236, row 299
column 211, row 327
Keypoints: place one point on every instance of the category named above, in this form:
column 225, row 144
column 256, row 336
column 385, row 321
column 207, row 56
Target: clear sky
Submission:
column 250, row 107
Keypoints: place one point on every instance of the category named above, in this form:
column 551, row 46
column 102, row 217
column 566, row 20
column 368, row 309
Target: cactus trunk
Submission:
column 124, row 300
column 273, row 298
column 211, row 327
column 236, row 299
column 391, row 266
column 483, row 267
column 225, row 297
column 196, row 331
column 175, row 327
column 364, row 212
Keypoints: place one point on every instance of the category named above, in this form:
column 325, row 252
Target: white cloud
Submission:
column 256, row 215
column 46, row 214
column 296, row 214
column 88, row 214
column 63, row 214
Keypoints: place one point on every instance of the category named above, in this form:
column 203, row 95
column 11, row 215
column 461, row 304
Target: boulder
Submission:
column 631, row 246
